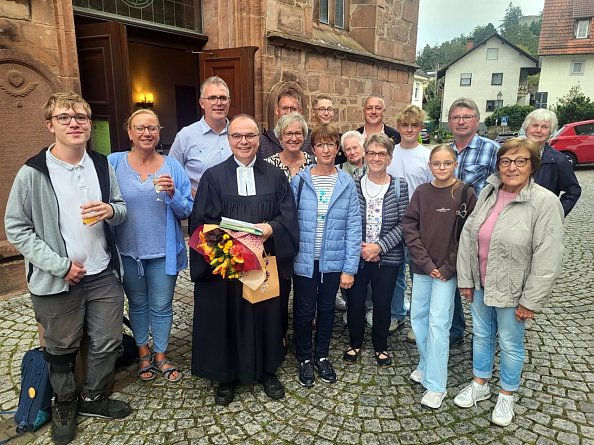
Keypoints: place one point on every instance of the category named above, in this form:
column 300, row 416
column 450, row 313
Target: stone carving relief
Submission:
column 13, row 86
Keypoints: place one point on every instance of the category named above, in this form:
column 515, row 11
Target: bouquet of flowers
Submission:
column 231, row 254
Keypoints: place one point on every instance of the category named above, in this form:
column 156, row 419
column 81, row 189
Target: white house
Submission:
column 493, row 73
column 420, row 80
column 566, row 49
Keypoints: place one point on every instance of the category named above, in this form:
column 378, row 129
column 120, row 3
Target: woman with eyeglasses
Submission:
column 329, row 249
column 382, row 202
column 509, row 256
column 291, row 130
column 430, row 229
column 158, row 195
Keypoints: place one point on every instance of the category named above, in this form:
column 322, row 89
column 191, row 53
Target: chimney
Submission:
column 469, row 44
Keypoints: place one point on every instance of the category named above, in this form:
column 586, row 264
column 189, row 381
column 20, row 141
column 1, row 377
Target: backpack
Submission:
column 127, row 351
column 35, row 400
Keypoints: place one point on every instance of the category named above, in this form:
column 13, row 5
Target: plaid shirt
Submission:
column 477, row 162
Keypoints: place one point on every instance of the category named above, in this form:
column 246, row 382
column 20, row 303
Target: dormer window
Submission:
column 582, row 28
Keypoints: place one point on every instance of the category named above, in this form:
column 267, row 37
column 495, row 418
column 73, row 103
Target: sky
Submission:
column 442, row 20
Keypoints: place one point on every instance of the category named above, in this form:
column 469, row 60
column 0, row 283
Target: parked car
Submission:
column 425, row 136
column 576, row 141
column 502, row 137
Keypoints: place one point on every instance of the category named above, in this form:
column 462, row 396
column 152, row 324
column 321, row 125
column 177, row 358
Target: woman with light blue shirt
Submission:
column 158, row 195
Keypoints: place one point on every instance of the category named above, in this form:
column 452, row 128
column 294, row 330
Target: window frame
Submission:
column 464, row 76
column 332, row 9
column 500, row 79
column 490, row 50
column 585, row 28
column 572, row 65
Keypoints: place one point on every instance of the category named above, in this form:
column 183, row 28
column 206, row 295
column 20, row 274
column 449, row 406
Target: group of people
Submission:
column 338, row 211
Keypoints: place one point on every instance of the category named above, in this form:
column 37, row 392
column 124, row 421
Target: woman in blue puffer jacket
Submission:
column 329, row 250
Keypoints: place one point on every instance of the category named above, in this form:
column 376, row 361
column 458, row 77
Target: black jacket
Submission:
column 392, row 133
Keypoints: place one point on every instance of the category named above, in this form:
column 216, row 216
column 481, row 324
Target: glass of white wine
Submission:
column 158, row 187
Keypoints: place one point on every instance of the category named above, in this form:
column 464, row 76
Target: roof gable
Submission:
column 557, row 30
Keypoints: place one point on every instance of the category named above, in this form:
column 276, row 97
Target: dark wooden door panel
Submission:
column 236, row 67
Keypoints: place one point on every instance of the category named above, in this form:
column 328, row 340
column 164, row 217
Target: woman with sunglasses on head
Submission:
column 509, row 256
column 430, row 229
column 158, row 194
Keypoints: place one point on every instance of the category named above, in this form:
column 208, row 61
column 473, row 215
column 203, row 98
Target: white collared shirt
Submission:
column 246, row 184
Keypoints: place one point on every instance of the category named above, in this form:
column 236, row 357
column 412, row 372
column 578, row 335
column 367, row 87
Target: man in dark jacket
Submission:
column 58, row 214
column 373, row 114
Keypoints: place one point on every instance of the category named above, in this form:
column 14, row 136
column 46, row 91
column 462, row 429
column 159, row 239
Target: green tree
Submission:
column 573, row 107
column 481, row 33
column 432, row 102
column 515, row 116
column 521, row 35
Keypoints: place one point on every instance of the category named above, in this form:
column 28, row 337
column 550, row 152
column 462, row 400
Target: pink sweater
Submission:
column 486, row 230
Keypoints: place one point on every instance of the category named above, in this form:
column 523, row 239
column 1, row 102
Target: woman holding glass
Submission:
column 158, row 195
column 328, row 253
column 509, row 256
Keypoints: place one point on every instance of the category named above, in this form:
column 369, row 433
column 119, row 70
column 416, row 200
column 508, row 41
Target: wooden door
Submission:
column 236, row 67
column 103, row 64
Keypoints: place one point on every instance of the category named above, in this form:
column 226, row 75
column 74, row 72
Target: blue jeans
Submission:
column 150, row 296
column 487, row 323
column 458, row 323
column 431, row 318
column 397, row 310
column 309, row 295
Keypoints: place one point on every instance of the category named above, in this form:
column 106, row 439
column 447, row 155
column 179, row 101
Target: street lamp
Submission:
column 499, row 100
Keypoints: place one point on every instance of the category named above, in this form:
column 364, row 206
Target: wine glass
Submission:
column 158, row 187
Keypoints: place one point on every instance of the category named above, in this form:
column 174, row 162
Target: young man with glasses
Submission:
column 58, row 215
column 323, row 110
column 287, row 102
column 477, row 158
column 204, row 144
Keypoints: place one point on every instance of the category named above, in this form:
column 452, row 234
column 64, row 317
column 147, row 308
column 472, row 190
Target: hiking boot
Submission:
column 325, row 370
column 64, row 421
column 104, row 407
column 307, row 377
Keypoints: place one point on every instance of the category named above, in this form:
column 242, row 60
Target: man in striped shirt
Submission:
column 477, row 158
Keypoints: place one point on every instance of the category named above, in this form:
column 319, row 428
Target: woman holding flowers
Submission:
column 151, row 240
column 235, row 341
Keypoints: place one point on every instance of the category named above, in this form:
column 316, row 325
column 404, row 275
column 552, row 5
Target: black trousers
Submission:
column 383, row 281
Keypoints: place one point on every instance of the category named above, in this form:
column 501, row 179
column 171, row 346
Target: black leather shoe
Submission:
column 225, row 393
column 272, row 386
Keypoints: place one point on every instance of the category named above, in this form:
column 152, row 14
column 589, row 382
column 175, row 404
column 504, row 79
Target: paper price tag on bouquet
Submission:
column 238, row 255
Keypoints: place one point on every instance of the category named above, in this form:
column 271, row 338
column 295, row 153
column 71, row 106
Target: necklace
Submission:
column 380, row 190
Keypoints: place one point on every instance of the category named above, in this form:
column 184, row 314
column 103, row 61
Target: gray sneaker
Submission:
column 471, row 394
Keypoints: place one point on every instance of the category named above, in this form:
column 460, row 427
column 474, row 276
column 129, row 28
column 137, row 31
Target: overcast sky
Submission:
column 442, row 20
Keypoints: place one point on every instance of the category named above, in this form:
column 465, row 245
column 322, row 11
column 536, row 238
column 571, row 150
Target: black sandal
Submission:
column 351, row 359
column 383, row 362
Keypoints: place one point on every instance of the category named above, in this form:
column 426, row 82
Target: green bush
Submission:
column 515, row 116
column 573, row 107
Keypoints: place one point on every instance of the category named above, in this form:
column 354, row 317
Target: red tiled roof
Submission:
column 557, row 31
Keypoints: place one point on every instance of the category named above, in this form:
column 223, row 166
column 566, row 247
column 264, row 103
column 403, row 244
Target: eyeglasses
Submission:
column 462, row 118
column 520, row 162
column 292, row 134
column 444, row 164
column 329, row 145
column 248, row 137
column 214, row 99
column 289, row 109
column 325, row 110
column 66, row 118
column 379, row 154
column 152, row 129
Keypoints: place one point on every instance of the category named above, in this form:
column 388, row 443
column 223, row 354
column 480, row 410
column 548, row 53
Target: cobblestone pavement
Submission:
column 555, row 404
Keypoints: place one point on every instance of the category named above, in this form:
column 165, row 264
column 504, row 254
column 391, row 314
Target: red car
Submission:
column 576, row 141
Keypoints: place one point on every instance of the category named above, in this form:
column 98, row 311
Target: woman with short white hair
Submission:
column 555, row 172
column 352, row 146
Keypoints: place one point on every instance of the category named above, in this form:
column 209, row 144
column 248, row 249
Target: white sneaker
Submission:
column 433, row 399
column 503, row 413
column 369, row 318
column 340, row 304
column 471, row 394
column 416, row 376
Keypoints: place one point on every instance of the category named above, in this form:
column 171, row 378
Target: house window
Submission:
column 492, row 105
column 465, row 79
column 497, row 79
column 577, row 68
column 540, row 99
column 416, row 90
column 492, row 53
column 331, row 12
column 581, row 29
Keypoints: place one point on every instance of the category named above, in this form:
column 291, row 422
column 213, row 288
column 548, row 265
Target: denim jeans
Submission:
column 94, row 305
column 382, row 281
column 150, row 296
column 397, row 310
column 431, row 316
column 458, row 322
column 310, row 295
column 487, row 323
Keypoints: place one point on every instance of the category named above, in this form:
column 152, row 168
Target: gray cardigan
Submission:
column 32, row 222
column 526, row 249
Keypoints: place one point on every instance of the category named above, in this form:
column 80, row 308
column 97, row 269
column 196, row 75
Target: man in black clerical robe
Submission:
column 235, row 341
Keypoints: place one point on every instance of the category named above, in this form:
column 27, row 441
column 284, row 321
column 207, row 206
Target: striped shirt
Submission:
column 477, row 162
column 324, row 186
